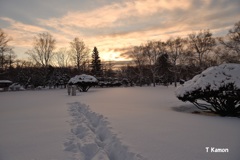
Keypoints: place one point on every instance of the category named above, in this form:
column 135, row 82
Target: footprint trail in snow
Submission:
column 92, row 139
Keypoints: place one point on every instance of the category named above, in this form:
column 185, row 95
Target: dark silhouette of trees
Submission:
column 175, row 49
column 152, row 51
column 152, row 62
column 230, row 50
column 139, row 59
column 164, row 67
column 6, row 52
column 201, row 44
column 233, row 39
column 7, row 57
column 42, row 55
column 79, row 54
column 96, row 63
column 62, row 57
column 107, row 68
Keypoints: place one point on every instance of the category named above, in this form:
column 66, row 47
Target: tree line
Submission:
column 181, row 58
column 178, row 58
column 45, row 66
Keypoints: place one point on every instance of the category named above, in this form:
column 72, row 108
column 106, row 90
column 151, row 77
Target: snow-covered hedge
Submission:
column 218, row 86
column 83, row 82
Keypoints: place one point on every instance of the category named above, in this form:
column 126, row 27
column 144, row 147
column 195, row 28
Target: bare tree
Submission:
column 107, row 68
column 62, row 57
column 175, row 48
column 79, row 53
column 225, row 55
column 4, row 48
column 139, row 60
column 24, row 64
column 11, row 56
column 163, row 63
column 152, row 51
column 201, row 44
column 232, row 43
column 43, row 46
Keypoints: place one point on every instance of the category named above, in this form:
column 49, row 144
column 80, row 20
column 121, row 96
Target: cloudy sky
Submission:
column 113, row 25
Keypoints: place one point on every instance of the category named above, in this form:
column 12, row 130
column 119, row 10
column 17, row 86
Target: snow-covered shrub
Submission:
column 217, row 89
column 83, row 82
column 4, row 84
column 16, row 87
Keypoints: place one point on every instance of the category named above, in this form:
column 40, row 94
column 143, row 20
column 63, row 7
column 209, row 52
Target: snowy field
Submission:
column 138, row 123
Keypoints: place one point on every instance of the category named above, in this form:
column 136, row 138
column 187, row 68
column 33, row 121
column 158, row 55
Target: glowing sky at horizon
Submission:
column 113, row 25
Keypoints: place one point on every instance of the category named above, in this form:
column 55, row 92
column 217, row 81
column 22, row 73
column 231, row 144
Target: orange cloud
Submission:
column 21, row 33
column 128, row 23
column 111, row 15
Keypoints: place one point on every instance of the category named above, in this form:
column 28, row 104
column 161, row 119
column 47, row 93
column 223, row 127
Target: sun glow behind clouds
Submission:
column 113, row 15
column 119, row 25
column 112, row 56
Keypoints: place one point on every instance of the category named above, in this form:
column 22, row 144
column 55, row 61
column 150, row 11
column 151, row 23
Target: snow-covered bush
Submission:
column 16, row 87
column 83, row 82
column 217, row 89
column 4, row 84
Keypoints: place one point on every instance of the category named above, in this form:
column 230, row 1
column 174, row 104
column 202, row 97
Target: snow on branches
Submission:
column 219, row 86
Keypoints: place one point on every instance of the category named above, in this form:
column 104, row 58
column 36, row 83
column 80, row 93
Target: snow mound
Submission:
column 213, row 77
column 92, row 139
column 5, row 81
column 82, row 78
column 16, row 87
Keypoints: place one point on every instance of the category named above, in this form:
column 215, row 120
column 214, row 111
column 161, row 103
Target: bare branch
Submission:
column 42, row 51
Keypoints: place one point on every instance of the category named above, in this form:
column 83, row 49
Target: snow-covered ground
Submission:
column 111, row 124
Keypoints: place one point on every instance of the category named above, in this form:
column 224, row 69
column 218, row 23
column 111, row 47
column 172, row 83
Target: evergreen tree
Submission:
column 96, row 63
column 164, row 66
